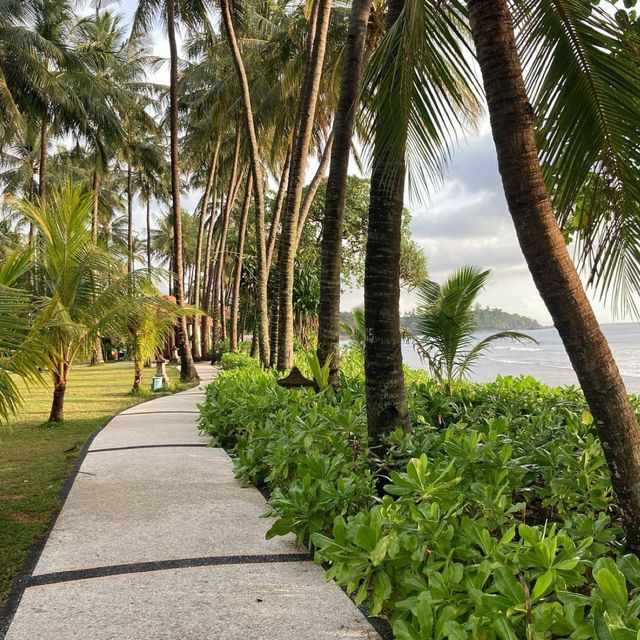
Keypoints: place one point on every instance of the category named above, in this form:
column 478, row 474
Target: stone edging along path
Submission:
column 156, row 540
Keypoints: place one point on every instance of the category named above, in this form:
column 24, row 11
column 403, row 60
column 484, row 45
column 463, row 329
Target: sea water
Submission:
column 547, row 361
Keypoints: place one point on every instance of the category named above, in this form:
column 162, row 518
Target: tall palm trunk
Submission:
column 44, row 157
column 332, row 222
column 384, row 377
column 313, row 187
column 547, row 256
column 187, row 366
column 208, row 280
column 197, row 341
column 234, row 186
column 262, row 319
column 235, row 301
column 95, row 191
column 149, row 265
column 129, row 218
column 288, row 240
column 277, row 207
column 97, row 356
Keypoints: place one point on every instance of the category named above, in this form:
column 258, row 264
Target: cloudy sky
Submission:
column 464, row 221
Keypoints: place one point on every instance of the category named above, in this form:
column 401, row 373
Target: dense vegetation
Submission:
column 493, row 518
column 486, row 319
column 254, row 91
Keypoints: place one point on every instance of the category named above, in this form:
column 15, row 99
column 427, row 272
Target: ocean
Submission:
column 547, row 360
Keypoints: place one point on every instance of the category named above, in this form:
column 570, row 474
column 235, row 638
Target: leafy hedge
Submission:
column 498, row 520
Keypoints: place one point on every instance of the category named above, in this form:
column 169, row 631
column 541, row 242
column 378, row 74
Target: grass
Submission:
column 36, row 458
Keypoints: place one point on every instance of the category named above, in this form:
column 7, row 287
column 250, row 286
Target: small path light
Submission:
column 295, row 380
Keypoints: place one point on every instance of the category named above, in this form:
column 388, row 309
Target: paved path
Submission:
column 157, row 541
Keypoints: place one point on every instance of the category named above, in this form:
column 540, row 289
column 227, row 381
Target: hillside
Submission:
column 487, row 319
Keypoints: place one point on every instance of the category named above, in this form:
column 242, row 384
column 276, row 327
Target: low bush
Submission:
column 497, row 519
column 238, row 360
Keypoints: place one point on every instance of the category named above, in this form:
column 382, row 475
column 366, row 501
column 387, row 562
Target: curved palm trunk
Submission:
column 277, row 207
column 332, row 222
column 288, row 240
column 235, row 301
column 262, row 320
column 384, row 378
column 197, row 339
column 187, row 366
column 312, row 189
column 547, row 256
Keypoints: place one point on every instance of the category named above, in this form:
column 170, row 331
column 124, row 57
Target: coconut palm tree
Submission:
column 262, row 320
column 414, row 111
column 590, row 32
column 85, row 292
column 332, row 223
column 319, row 26
column 446, row 325
column 191, row 13
column 20, row 356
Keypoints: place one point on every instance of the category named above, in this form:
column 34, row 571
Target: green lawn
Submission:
column 36, row 459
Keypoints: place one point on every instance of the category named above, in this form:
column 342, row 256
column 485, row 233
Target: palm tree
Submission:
column 414, row 112
column 86, row 293
column 332, row 223
column 543, row 245
column 19, row 352
column 446, row 325
column 305, row 120
column 191, row 13
column 237, row 278
column 262, row 320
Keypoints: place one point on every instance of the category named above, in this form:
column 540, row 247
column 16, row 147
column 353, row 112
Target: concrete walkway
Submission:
column 157, row 541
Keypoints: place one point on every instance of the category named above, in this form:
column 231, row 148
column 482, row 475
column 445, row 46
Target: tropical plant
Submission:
column 85, row 293
column 192, row 13
column 530, row 203
column 446, row 324
column 20, row 356
column 148, row 326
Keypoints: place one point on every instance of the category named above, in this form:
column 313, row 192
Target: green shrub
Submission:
column 498, row 520
column 238, row 361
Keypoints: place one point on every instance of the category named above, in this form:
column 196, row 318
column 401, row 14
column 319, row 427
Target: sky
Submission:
column 463, row 221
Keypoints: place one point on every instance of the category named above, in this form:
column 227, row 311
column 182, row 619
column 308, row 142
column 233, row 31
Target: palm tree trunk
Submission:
column 197, row 341
column 138, row 372
column 288, row 239
column 332, row 222
column 210, row 257
column 277, row 207
column 384, row 378
column 312, row 189
column 187, row 366
column 44, row 157
column 149, row 265
column 129, row 219
column 262, row 319
column 547, row 256
column 95, row 190
column 59, row 388
column 235, row 301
